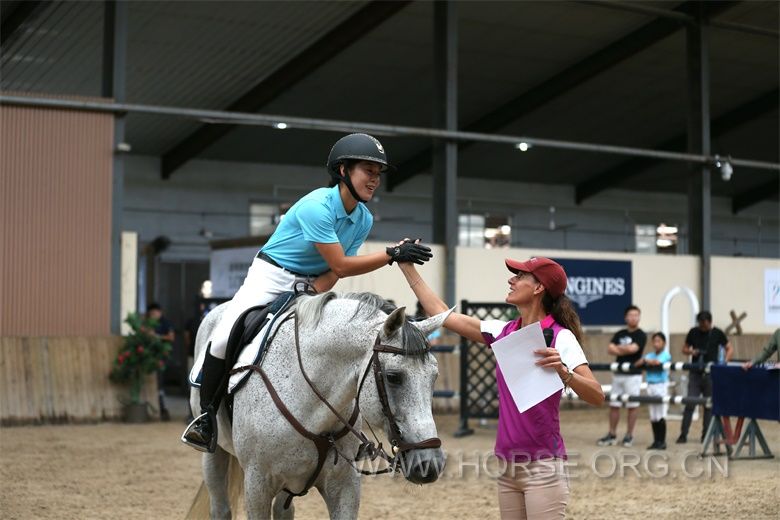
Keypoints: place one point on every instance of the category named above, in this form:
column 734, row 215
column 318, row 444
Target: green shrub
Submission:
column 142, row 353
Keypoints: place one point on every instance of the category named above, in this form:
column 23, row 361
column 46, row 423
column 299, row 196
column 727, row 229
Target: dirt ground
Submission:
column 143, row 472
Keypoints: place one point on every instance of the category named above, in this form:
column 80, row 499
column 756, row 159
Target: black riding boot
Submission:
column 654, row 445
column 662, row 434
column 201, row 434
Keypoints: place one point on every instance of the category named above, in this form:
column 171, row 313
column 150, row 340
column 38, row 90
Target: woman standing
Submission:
column 535, row 483
column 316, row 243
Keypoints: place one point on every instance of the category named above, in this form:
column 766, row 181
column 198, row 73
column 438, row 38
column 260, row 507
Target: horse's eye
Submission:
column 394, row 378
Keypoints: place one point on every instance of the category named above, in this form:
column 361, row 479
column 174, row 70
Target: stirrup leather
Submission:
column 211, row 447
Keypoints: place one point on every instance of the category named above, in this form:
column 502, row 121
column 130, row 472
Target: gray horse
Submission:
column 337, row 341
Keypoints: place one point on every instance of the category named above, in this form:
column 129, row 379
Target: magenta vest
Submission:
column 534, row 434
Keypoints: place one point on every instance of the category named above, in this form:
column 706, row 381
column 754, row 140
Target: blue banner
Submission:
column 746, row 393
column 600, row 289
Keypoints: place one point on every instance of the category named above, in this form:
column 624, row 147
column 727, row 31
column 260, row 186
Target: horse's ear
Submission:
column 394, row 322
column 434, row 322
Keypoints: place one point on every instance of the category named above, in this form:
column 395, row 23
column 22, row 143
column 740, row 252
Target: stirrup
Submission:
column 211, row 447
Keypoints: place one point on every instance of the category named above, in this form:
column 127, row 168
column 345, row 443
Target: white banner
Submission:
column 772, row 296
column 228, row 269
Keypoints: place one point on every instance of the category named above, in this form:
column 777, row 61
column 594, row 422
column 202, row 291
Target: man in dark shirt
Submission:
column 164, row 331
column 703, row 343
column 627, row 344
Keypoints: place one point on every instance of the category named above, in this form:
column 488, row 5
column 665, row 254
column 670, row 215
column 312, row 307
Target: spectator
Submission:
column 770, row 348
column 627, row 345
column 163, row 329
column 657, row 383
column 704, row 344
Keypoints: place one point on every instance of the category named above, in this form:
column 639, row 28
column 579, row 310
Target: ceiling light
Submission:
column 280, row 126
column 726, row 171
column 523, row 147
column 724, row 165
column 664, row 242
column 505, row 229
column 490, row 232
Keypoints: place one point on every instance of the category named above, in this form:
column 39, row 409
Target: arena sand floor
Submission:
column 143, row 472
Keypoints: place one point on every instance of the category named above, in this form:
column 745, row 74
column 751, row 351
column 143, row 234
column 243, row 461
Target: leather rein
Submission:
column 327, row 440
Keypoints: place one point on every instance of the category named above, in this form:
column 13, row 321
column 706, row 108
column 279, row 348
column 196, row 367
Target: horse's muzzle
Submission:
column 422, row 466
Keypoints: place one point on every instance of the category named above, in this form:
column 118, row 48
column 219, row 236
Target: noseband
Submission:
column 327, row 440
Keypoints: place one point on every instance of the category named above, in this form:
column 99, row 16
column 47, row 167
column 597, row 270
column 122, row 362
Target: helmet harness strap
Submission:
column 346, row 180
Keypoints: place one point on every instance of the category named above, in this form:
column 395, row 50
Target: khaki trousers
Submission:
column 534, row 490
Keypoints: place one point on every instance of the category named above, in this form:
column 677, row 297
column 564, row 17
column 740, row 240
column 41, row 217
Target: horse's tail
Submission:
column 199, row 510
column 200, row 504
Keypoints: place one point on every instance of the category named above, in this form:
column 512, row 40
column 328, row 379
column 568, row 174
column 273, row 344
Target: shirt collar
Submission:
column 547, row 321
column 339, row 204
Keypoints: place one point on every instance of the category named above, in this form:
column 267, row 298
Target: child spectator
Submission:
column 657, row 382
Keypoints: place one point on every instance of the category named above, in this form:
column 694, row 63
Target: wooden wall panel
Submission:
column 62, row 379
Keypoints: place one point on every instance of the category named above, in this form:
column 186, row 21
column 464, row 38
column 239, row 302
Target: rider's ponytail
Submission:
column 563, row 311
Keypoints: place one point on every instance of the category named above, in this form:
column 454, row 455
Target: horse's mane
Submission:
column 310, row 310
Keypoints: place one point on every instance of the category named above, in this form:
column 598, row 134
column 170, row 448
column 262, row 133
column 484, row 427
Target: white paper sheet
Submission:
column 528, row 383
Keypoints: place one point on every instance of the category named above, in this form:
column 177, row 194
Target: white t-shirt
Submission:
column 565, row 343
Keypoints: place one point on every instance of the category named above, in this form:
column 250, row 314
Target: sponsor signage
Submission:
column 228, row 269
column 600, row 289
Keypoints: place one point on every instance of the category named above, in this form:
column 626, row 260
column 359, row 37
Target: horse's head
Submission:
column 407, row 379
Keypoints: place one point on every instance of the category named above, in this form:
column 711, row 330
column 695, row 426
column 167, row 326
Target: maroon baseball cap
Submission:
column 547, row 271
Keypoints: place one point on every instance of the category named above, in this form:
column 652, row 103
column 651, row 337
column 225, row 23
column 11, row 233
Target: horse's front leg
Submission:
column 341, row 490
column 258, row 493
column 280, row 513
column 215, row 475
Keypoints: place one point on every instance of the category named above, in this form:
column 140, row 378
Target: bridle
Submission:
column 326, row 441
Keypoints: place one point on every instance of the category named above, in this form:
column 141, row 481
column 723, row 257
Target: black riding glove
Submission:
column 409, row 252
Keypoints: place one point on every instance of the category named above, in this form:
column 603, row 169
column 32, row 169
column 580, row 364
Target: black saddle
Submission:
column 246, row 328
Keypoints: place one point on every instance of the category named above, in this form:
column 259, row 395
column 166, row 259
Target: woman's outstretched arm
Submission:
column 466, row 326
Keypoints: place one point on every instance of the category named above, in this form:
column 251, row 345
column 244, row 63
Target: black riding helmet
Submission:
column 356, row 147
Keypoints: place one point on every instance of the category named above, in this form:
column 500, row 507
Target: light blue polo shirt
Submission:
column 658, row 376
column 317, row 217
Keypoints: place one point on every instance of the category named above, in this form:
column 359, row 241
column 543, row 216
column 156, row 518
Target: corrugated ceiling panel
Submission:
column 211, row 57
column 58, row 52
column 194, row 54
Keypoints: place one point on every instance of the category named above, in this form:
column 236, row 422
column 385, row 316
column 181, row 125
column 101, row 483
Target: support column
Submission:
column 699, row 182
column 113, row 86
column 445, row 153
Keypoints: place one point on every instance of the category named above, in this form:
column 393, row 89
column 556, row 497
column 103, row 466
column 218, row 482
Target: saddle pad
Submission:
column 250, row 353
column 253, row 352
column 196, row 373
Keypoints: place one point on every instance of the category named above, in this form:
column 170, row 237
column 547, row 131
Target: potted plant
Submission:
column 142, row 353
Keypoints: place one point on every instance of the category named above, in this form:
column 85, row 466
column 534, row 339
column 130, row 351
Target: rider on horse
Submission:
column 316, row 243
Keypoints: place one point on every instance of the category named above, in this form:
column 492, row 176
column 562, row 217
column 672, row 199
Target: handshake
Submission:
column 409, row 251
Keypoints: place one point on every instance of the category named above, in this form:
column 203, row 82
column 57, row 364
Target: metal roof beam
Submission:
column 16, row 18
column 564, row 81
column 334, row 125
column 336, row 40
column 659, row 11
column 633, row 167
column 755, row 195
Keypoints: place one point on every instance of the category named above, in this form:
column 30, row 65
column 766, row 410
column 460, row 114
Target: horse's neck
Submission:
column 334, row 357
